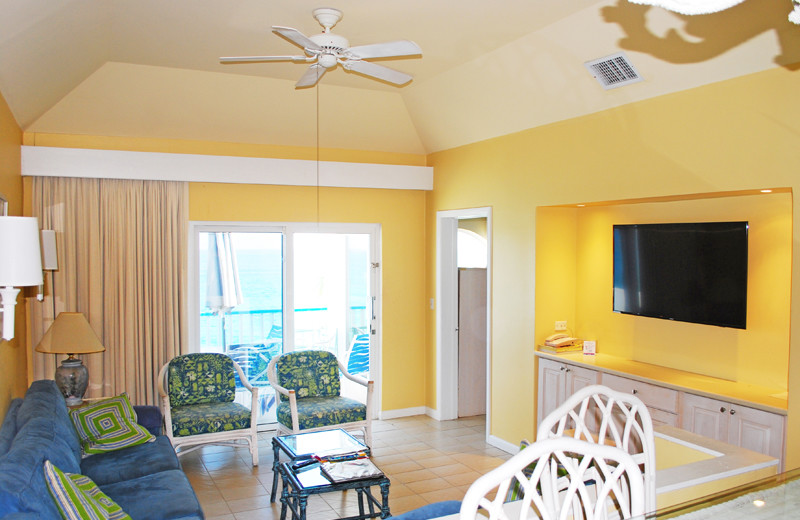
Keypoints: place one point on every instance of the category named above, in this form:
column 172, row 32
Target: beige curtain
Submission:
column 121, row 261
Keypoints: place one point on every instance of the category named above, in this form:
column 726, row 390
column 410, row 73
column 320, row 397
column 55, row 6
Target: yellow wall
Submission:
column 730, row 136
column 586, row 274
column 13, row 363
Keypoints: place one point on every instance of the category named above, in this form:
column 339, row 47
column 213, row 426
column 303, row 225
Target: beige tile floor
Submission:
column 426, row 461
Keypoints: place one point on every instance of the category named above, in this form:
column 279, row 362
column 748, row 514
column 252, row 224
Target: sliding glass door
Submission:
column 260, row 290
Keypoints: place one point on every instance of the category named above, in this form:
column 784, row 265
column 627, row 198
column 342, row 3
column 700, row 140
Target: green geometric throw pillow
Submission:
column 515, row 491
column 77, row 497
column 108, row 425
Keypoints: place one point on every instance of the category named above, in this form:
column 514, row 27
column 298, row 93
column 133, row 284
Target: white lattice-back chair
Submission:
column 600, row 415
column 569, row 479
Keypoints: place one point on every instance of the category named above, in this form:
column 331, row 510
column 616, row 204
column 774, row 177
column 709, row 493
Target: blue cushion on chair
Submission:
column 209, row 418
column 310, row 373
column 201, row 378
column 314, row 412
column 447, row 507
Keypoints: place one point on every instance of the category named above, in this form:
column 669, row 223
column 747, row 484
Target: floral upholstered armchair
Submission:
column 197, row 400
column 307, row 386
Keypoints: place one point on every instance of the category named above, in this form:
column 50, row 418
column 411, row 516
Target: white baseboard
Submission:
column 402, row 412
column 501, row 444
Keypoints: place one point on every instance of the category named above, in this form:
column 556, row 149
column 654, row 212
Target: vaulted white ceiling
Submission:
column 150, row 68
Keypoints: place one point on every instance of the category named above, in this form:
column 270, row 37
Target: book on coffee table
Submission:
column 350, row 469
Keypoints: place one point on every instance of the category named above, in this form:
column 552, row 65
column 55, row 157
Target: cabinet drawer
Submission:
column 651, row 395
column 662, row 417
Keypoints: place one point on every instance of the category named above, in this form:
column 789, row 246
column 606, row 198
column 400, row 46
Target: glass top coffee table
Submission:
column 302, row 445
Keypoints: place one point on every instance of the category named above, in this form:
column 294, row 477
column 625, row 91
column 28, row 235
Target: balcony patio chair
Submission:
column 601, row 415
column 197, row 400
column 254, row 360
column 615, row 488
column 307, row 386
column 358, row 356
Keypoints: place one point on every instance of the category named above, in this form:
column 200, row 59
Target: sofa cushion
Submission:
column 108, row 425
column 9, row 427
column 165, row 495
column 44, row 399
column 76, row 496
column 133, row 462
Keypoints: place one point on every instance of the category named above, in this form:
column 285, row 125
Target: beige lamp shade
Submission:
column 70, row 334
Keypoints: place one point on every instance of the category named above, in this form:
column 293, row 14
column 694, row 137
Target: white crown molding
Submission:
column 44, row 161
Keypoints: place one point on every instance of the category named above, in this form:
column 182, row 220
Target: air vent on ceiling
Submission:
column 613, row 71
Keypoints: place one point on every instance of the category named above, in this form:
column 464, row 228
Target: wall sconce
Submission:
column 20, row 263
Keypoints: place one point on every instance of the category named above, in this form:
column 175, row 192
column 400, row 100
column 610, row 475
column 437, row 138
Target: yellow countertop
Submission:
column 763, row 398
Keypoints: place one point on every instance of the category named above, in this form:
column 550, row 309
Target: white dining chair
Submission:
column 602, row 483
column 600, row 415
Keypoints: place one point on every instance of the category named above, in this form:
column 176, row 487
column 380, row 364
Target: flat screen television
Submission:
column 691, row 272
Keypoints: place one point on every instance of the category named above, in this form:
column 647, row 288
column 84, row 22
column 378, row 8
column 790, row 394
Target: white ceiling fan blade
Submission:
column 296, row 37
column 386, row 50
column 311, row 77
column 378, row 71
column 245, row 59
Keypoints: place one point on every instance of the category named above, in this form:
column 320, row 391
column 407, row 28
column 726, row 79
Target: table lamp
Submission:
column 20, row 263
column 71, row 334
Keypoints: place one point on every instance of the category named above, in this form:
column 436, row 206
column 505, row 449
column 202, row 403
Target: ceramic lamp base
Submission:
column 72, row 378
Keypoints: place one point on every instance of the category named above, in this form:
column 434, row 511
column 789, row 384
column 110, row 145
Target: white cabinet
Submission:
column 669, row 403
column 559, row 380
column 661, row 402
column 735, row 424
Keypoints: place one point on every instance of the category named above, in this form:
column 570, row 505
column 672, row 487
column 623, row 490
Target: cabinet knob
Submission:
column 722, row 409
column 568, row 370
column 733, row 412
column 563, row 368
column 635, row 391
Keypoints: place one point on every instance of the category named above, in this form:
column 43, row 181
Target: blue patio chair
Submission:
column 307, row 385
column 358, row 356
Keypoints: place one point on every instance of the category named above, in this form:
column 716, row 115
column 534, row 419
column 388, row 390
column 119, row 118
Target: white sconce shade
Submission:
column 20, row 263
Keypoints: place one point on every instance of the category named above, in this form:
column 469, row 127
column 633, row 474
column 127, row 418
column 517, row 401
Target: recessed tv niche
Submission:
column 692, row 272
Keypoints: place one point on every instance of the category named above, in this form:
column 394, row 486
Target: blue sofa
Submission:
column 145, row 480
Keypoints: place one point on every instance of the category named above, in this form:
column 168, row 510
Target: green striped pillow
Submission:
column 108, row 425
column 515, row 491
column 78, row 498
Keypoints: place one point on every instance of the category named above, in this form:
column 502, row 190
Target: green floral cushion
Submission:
column 78, row 497
column 310, row 373
column 201, row 378
column 209, row 418
column 314, row 412
column 108, row 425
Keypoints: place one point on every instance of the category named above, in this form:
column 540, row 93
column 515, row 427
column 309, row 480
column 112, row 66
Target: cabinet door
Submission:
column 552, row 385
column 705, row 416
column 756, row 430
column 577, row 378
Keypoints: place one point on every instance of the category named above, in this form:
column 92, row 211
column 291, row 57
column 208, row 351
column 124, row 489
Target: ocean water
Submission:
column 261, row 283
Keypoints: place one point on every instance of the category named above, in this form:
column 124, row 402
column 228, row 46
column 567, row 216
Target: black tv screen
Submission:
column 692, row 272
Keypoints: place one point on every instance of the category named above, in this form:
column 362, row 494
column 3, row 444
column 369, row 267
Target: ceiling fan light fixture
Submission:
column 327, row 60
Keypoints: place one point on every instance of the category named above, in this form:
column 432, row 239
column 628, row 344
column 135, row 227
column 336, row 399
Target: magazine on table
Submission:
column 349, row 466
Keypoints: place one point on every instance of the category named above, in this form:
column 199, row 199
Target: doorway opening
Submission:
column 474, row 226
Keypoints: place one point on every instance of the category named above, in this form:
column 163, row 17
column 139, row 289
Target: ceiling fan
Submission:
column 326, row 50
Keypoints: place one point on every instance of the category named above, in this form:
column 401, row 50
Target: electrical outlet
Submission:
column 561, row 325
